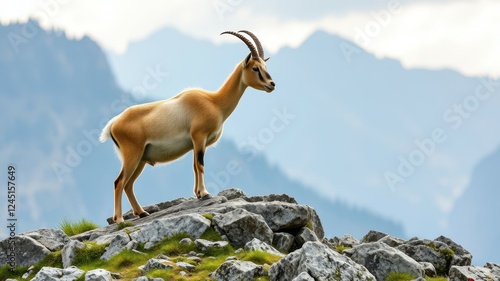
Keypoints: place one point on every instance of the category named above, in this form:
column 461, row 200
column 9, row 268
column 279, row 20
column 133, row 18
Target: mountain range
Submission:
column 57, row 94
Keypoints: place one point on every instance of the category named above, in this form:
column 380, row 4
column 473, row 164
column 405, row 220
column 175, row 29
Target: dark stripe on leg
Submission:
column 113, row 138
column 200, row 158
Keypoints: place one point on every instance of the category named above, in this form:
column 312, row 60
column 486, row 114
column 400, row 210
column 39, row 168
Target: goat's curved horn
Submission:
column 257, row 42
column 247, row 42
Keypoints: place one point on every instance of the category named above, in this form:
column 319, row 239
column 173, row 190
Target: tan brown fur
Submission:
column 163, row 131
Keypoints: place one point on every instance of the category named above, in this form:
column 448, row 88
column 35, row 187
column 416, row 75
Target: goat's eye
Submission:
column 255, row 68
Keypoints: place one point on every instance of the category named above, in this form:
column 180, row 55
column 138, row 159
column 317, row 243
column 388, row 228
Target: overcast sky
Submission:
column 463, row 35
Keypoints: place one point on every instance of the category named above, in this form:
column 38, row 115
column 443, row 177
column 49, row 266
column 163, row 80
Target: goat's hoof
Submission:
column 144, row 214
column 206, row 197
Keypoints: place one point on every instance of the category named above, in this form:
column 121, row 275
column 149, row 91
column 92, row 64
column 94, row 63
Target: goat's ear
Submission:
column 267, row 59
column 247, row 59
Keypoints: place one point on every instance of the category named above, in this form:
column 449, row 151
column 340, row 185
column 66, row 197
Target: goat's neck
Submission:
column 229, row 94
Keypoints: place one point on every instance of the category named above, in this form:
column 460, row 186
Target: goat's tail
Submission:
column 106, row 131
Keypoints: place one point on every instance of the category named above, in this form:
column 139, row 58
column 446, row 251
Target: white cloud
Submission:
column 461, row 35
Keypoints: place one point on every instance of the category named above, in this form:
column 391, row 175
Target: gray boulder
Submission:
column 392, row 241
column 321, row 263
column 495, row 268
column 283, row 241
column 271, row 197
column 435, row 252
column 53, row 240
column 98, row 275
column 346, row 241
column 461, row 256
column 186, row 266
column 303, row 276
column 305, row 235
column 238, row 270
column 27, row 251
column 203, row 244
column 232, row 193
column 464, row 273
column 193, row 224
column 156, row 264
column 257, row 245
column 241, row 226
column 428, row 269
column 381, row 259
column 283, row 217
column 372, row 236
column 69, row 252
column 118, row 244
column 58, row 274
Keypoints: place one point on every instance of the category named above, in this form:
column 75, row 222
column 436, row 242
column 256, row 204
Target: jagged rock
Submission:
column 321, row 263
column 495, row 268
column 154, row 232
column 27, row 251
column 231, row 258
column 171, row 203
column 58, row 274
column 186, row 266
column 28, row 272
column 428, row 269
column 130, row 214
column 283, row 241
column 157, row 264
column 346, row 241
column 53, row 240
column 303, row 276
column 238, row 270
column 232, row 193
column 186, row 241
column 372, row 236
column 98, row 275
column 305, row 235
column 195, row 259
column 203, row 244
column 281, row 216
column 271, row 197
column 465, row 273
column 461, row 256
column 381, row 259
column 69, row 252
column 315, row 222
column 392, row 241
column 435, row 252
column 257, row 245
column 118, row 244
column 241, row 226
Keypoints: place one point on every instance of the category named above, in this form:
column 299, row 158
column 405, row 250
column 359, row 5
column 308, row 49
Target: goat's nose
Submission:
column 273, row 84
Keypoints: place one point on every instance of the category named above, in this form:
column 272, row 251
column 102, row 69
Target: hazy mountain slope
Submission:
column 55, row 97
column 474, row 218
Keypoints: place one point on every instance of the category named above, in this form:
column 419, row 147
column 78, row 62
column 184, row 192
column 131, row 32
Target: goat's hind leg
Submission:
column 129, row 191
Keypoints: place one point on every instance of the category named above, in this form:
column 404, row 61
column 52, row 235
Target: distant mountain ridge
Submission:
column 58, row 106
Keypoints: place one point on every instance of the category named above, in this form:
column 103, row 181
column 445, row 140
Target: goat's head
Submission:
column 255, row 72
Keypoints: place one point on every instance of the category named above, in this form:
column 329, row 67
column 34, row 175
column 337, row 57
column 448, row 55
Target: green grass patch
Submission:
column 211, row 235
column 6, row 272
column 400, row 276
column 436, row 278
column 73, row 228
column 124, row 224
column 341, row 248
column 89, row 255
column 258, row 257
column 209, row 216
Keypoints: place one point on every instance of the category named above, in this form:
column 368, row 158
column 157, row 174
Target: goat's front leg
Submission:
column 199, row 167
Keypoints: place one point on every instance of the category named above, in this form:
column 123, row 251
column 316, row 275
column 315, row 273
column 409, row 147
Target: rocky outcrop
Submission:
column 241, row 226
column 320, row 263
column 238, row 270
column 466, row 273
column 57, row 274
column 275, row 224
column 381, row 260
